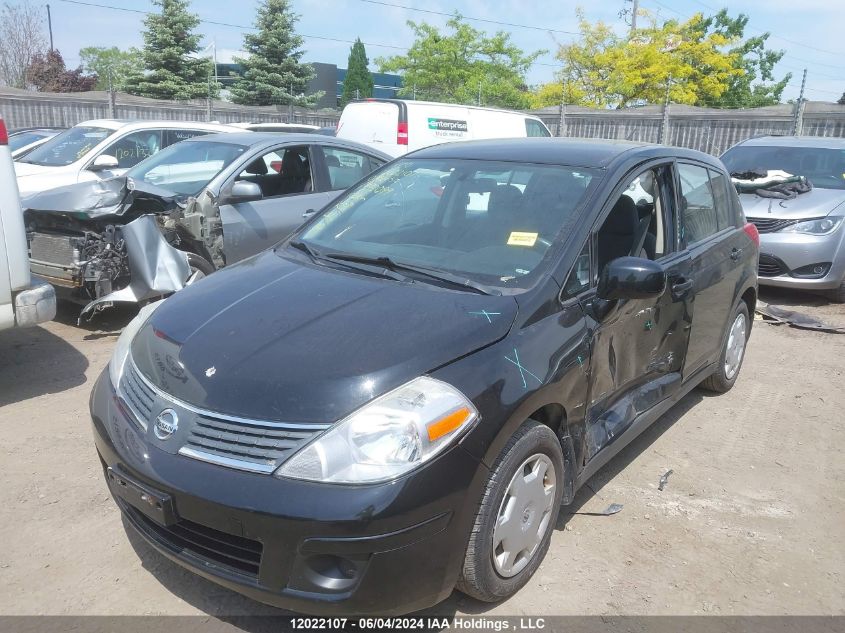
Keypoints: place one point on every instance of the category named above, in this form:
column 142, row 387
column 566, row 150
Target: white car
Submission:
column 23, row 301
column 101, row 149
column 397, row 127
column 22, row 142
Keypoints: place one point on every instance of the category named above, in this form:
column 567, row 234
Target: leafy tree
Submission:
column 604, row 69
column 21, row 39
column 359, row 82
column 122, row 65
column 273, row 73
column 455, row 67
column 756, row 85
column 841, row 99
column 48, row 73
column 170, row 46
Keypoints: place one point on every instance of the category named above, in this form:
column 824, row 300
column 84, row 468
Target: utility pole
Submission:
column 635, row 7
column 798, row 123
column 50, row 27
column 111, row 96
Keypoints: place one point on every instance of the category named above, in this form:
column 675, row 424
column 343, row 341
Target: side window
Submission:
column 280, row 172
column 535, row 128
column 135, row 147
column 724, row 205
column 174, row 136
column 578, row 279
column 636, row 223
column 345, row 167
column 698, row 207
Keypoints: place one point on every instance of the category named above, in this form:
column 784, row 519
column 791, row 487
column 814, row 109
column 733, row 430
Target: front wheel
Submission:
column 517, row 515
column 733, row 352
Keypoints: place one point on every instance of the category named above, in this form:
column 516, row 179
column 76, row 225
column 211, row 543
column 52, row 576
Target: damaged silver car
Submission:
column 192, row 208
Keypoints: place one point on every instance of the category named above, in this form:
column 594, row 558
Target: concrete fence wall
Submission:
column 706, row 129
column 20, row 108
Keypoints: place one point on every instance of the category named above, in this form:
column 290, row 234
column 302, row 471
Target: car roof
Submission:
column 266, row 139
column 592, row 153
column 821, row 142
column 414, row 103
column 119, row 124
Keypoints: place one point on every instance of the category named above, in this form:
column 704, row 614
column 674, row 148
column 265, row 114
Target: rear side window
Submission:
column 535, row 128
column 698, row 207
column 174, row 136
column 346, row 167
column 725, row 214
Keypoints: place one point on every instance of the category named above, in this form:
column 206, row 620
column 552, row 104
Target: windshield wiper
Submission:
column 383, row 271
column 437, row 274
column 302, row 246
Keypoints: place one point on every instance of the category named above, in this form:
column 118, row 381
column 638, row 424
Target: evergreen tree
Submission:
column 359, row 82
column 272, row 73
column 170, row 46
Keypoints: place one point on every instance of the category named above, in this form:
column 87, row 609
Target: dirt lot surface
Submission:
column 750, row 521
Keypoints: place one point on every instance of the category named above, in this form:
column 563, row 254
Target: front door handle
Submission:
column 309, row 213
column 735, row 253
column 681, row 286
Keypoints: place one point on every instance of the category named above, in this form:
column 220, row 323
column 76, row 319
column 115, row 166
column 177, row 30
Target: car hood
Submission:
column 96, row 198
column 816, row 203
column 29, row 169
column 275, row 339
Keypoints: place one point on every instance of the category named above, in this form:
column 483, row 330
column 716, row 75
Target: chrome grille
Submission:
column 770, row 225
column 137, row 394
column 243, row 445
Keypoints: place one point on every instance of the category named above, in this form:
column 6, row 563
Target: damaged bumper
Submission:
column 36, row 304
column 125, row 263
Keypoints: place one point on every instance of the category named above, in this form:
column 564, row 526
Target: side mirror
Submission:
column 631, row 278
column 244, row 191
column 104, row 162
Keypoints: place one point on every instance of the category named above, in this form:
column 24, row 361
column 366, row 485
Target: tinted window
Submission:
column 186, row 167
column 345, row 167
column 490, row 221
column 69, row 146
column 135, row 147
column 535, row 128
column 698, row 209
column 724, row 205
column 281, row 172
column 824, row 167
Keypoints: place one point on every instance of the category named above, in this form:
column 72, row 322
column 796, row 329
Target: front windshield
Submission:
column 186, row 167
column 68, row 147
column 492, row 222
column 23, row 139
column 824, row 167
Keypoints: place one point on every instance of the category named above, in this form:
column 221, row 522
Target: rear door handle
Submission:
column 309, row 213
column 681, row 286
column 735, row 253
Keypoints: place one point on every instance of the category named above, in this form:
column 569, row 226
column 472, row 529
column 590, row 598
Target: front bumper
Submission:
column 35, row 304
column 384, row 549
column 787, row 260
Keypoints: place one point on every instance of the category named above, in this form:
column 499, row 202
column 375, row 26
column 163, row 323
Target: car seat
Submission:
column 617, row 234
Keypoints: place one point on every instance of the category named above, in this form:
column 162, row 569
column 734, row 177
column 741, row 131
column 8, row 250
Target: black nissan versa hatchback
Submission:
column 397, row 400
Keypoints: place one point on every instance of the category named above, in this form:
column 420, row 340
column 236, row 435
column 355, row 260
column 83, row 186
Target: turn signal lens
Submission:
column 446, row 425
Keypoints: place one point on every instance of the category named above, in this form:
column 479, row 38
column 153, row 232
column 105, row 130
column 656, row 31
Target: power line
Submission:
column 451, row 15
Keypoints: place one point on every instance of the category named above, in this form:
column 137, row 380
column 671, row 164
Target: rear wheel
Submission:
column 517, row 515
column 733, row 352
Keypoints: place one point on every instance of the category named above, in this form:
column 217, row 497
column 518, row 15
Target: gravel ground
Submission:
column 750, row 521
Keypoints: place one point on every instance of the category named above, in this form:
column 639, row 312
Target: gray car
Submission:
column 194, row 207
column 802, row 241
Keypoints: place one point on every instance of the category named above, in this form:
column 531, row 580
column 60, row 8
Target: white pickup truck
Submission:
column 23, row 300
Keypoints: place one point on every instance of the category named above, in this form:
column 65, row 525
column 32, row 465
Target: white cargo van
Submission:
column 23, row 301
column 397, row 126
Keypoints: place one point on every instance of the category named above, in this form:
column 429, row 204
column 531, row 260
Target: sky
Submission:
column 809, row 31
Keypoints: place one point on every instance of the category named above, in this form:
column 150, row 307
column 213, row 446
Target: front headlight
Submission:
column 124, row 342
column 820, row 226
column 387, row 437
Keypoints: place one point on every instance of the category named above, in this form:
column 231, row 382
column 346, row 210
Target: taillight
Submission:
column 752, row 232
column 4, row 134
column 402, row 133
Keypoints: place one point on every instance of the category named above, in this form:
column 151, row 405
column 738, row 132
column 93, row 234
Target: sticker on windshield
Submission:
column 518, row 238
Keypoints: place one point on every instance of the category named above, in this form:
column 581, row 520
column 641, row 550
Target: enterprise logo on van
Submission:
column 447, row 125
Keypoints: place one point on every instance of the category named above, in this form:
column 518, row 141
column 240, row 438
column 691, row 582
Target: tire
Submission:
column 838, row 294
column 199, row 264
column 723, row 378
column 531, row 447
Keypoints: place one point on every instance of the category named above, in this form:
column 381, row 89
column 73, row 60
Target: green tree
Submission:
column 122, row 65
column 756, row 85
column 603, row 69
column 273, row 73
column 170, row 46
column 460, row 65
column 841, row 99
column 359, row 82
